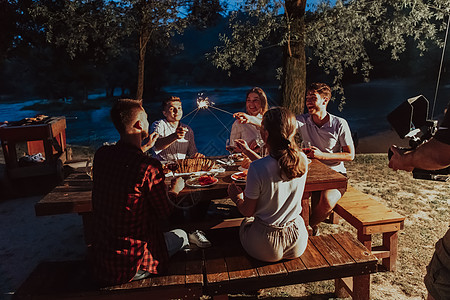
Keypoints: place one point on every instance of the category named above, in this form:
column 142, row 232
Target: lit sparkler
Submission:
column 203, row 102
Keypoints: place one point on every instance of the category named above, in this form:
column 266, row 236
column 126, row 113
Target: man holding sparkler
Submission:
column 176, row 140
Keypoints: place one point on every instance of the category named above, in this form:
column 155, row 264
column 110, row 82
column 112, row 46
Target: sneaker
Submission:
column 315, row 230
column 141, row 274
column 198, row 238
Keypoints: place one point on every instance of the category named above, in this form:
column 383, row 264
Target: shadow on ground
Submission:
column 29, row 186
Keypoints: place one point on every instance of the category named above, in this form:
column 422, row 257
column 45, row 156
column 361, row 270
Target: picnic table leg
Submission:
column 358, row 287
column 365, row 239
column 306, row 210
column 390, row 242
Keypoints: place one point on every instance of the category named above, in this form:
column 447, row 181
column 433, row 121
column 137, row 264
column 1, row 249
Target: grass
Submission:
column 425, row 205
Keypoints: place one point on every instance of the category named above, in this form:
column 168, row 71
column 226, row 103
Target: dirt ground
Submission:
column 426, row 207
column 424, row 203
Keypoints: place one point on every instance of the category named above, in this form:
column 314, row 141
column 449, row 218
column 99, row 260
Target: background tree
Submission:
column 335, row 36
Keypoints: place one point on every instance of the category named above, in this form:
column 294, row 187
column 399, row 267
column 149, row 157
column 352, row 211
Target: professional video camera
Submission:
column 410, row 120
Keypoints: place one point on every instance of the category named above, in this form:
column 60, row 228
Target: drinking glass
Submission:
column 172, row 166
column 229, row 146
column 260, row 143
column 306, row 147
column 88, row 168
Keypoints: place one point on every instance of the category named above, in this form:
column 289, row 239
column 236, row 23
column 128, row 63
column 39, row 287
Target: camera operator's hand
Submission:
column 400, row 161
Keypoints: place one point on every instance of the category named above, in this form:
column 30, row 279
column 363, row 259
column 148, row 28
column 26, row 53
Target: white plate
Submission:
column 235, row 178
column 193, row 182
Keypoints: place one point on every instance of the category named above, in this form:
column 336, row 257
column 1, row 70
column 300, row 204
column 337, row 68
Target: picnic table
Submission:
column 74, row 195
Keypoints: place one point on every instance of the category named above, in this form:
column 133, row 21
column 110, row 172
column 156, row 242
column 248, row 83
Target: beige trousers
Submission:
column 272, row 243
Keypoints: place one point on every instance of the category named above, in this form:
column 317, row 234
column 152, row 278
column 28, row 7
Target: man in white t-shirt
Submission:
column 331, row 143
column 176, row 140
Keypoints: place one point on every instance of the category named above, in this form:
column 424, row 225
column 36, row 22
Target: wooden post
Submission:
column 390, row 242
column 361, row 287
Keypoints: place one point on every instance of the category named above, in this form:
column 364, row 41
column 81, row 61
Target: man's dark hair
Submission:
column 322, row 89
column 123, row 112
column 166, row 101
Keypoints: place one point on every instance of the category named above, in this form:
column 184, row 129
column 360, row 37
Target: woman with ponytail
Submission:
column 273, row 228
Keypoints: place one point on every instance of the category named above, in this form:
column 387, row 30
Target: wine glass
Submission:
column 88, row 168
column 172, row 166
column 306, row 147
column 229, row 146
column 260, row 143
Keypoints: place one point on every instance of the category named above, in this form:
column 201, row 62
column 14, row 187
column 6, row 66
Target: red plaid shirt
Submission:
column 128, row 199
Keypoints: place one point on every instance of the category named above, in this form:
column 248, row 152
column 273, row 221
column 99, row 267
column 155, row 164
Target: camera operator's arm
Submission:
column 433, row 155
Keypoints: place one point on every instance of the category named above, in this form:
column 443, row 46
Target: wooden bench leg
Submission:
column 333, row 218
column 390, row 243
column 343, row 287
column 361, row 287
column 357, row 287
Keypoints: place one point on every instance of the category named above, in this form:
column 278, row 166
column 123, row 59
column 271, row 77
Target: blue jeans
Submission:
column 176, row 240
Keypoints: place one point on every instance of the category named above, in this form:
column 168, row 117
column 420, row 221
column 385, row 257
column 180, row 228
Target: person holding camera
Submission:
column 431, row 155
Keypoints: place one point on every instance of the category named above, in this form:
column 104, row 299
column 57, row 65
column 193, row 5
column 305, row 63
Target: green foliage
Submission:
column 82, row 26
column 252, row 31
column 336, row 36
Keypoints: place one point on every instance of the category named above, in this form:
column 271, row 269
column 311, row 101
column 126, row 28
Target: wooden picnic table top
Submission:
column 74, row 195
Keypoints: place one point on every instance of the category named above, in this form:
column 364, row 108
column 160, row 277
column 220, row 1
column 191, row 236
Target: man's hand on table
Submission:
column 177, row 184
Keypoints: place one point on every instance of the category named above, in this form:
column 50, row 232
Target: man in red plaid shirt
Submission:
column 129, row 198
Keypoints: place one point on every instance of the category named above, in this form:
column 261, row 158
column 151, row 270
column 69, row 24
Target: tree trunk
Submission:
column 143, row 40
column 294, row 59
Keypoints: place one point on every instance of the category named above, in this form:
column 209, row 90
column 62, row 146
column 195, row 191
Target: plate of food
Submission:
column 237, row 156
column 202, row 181
column 240, row 176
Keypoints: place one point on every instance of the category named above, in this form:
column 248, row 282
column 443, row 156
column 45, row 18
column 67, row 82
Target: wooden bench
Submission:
column 369, row 217
column 217, row 271
column 341, row 257
column 72, row 280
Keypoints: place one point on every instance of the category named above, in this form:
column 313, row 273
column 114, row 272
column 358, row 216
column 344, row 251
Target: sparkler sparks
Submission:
column 203, row 102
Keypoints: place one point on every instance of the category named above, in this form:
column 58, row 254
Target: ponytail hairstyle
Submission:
column 281, row 126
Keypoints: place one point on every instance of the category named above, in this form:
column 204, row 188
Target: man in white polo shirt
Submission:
column 331, row 143
column 176, row 140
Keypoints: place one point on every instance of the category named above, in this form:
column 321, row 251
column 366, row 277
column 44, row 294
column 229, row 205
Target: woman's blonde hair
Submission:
column 281, row 126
